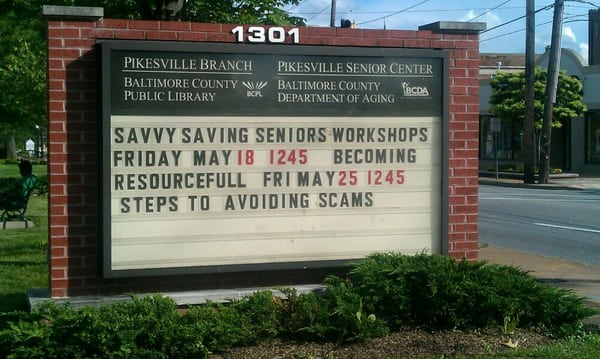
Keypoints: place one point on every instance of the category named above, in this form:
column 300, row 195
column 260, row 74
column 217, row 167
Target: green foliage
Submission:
column 22, row 71
column 508, row 97
column 585, row 346
column 379, row 294
column 306, row 316
column 519, row 168
column 261, row 308
column 559, row 311
column 268, row 12
column 349, row 320
column 223, row 326
column 23, row 95
column 440, row 292
column 22, row 85
column 23, row 259
column 143, row 328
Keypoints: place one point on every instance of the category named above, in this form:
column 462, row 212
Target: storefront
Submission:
column 575, row 145
column 592, row 143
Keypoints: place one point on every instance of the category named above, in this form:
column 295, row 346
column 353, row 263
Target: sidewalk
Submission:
column 565, row 181
column 583, row 279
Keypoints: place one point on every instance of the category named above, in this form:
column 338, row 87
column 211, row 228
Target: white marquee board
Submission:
column 222, row 158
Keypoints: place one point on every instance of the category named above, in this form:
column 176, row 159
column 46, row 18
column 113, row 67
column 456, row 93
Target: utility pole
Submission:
column 529, row 123
column 333, row 10
column 550, row 94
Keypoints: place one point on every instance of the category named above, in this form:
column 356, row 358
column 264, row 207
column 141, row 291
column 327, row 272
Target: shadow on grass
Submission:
column 10, row 302
column 22, row 263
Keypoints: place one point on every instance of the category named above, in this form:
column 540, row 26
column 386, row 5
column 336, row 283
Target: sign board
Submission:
column 30, row 146
column 237, row 157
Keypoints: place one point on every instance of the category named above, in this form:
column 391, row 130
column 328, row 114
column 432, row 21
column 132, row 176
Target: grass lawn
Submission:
column 23, row 263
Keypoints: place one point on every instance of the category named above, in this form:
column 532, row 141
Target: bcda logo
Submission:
column 414, row 91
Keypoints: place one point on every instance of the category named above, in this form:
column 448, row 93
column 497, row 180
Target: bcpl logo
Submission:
column 254, row 88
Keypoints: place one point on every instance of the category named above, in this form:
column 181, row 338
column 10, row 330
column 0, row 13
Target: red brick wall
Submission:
column 73, row 154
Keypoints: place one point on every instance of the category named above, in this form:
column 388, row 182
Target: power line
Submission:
column 537, row 25
column 489, row 10
column 545, row 23
column 319, row 13
column 516, row 19
column 360, row 6
column 295, row 6
column 584, row 2
column 392, row 14
column 412, row 11
column 409, row 10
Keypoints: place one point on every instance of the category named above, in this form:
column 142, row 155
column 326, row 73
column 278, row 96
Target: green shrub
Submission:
column 261, row 313
column 43, row 184
column 305, row 317
column 8, row 182
column 559, row 311
column 219, row 325
column 440, row 292
column 11, row 161
column 519, row 168
column 383, row 292
column 148, row 328
column 350, row 320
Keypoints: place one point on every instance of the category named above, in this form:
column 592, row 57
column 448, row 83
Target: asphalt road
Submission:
column 557, row 223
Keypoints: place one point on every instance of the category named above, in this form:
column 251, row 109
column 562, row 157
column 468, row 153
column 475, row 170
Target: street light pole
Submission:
column 529, row 122
column 333, row 11
column 38, row 144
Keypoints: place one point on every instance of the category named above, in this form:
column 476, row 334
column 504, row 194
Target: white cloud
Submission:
column 469, row 15
column 490, row 18
column 584, row 47
column 583, row 50
column 569, row 34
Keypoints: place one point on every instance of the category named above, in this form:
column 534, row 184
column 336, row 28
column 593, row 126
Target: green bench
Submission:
column 15, row 210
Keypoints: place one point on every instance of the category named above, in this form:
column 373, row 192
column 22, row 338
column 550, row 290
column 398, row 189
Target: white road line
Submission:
column 566, row 227
column 531, row 199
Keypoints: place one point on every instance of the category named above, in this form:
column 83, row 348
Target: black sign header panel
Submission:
column 225, row 79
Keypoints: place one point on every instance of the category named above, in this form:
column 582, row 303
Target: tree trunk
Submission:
column 11, row 148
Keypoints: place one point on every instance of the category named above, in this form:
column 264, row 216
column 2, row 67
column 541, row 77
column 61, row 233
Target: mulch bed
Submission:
column 406, row 343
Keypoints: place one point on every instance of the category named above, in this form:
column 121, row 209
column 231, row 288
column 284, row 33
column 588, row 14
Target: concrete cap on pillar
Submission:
column 455, row 27
column 73, row 12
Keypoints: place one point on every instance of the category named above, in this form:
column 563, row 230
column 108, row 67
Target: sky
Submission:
column 505, row 19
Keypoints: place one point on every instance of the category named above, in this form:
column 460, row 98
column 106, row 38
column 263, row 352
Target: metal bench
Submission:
column 15, row 210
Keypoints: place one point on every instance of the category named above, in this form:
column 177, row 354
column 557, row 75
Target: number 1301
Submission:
column 259, row 34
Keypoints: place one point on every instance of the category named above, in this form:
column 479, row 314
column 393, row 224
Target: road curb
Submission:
column 520, row 184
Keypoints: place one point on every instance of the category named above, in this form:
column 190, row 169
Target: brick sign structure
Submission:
column 188, row 156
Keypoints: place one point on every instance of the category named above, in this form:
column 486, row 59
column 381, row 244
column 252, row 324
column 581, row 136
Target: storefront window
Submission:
column 593, row 138
column 509, row 139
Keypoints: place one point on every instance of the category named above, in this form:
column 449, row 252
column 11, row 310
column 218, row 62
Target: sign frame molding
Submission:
column 105, row 47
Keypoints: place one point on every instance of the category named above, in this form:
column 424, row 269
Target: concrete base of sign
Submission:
column 37, row 296
column 18, row 224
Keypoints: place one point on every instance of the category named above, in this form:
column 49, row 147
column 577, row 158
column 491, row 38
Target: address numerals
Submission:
column 272, row 35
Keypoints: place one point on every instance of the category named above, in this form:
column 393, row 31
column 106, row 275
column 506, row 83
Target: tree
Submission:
column 22, row 73
column 508, row 98
column 267, row 12
column 23, row 44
